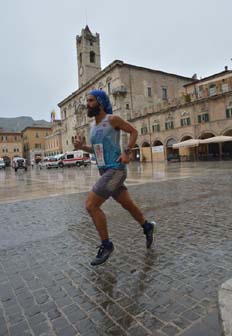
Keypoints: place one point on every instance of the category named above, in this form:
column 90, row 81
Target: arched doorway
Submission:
column 172, row 153
column 208, row 151
column 187, row 153
column 146, row 151
column 158, row 151
column 227, row 147
column 136, row 153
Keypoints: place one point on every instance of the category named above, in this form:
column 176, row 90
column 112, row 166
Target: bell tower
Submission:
column 88, row 55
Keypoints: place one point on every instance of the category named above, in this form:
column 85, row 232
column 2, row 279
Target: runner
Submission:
column 105, row 144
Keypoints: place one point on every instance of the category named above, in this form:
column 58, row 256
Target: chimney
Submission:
column 226, row 68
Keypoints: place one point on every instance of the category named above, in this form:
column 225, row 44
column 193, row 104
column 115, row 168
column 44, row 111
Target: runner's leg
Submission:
column 93, row 204
column 127, row 203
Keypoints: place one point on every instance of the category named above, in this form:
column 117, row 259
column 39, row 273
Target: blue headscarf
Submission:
column 103, row 100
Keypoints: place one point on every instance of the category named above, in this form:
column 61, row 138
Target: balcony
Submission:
column 119, row 91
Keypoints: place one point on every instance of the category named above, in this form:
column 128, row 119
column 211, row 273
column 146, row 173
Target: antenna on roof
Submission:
column 86, row 21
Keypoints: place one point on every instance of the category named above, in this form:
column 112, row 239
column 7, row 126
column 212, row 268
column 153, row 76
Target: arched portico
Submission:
column 209, row 151
column 158, row 153
column 170, row 151
column 136, row 153
column 227, row 146
column 187, row 153
column 146, row 151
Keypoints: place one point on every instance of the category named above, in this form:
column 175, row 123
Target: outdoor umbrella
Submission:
column 187, row 143
column 216, row 139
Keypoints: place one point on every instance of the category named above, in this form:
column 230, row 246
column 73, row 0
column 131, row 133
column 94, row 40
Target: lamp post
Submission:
column 149, row 129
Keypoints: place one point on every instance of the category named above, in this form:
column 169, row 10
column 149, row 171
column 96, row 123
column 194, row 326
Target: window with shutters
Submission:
column 144, row 130
column 164, row 93
column 185, row 121
column 169, row 125
column 155, row 128
column 228, row 113
column 203, row 118
column 212, row 90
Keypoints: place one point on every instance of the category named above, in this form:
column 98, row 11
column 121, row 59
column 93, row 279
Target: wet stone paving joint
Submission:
column 47, row 286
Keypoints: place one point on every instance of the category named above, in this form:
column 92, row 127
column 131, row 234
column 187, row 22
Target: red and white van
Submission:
column 75, row 158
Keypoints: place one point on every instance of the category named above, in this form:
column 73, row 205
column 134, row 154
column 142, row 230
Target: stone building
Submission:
column 53, row 142
column 10, row 145
column 133, row 90
column 34, row 142
column 203, row 110
column 165, row 108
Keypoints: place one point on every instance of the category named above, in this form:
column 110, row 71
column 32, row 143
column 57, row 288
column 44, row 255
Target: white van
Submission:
column 19, row 163
column 2, row 164
column 75, row 158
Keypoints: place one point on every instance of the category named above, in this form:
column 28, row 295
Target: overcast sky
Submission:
column 38, row 65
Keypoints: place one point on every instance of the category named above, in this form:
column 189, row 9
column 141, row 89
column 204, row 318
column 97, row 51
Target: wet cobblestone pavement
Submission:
column 47, row 286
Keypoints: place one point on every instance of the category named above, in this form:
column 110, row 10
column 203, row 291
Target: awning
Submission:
column 196, row 142
column 216, row 139
column 187, row 143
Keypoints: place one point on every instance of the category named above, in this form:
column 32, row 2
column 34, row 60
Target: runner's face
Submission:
column 91, row 101
column 93, row 106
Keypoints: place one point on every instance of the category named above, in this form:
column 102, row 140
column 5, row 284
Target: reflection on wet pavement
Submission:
column 47, row 286
column 41, row 183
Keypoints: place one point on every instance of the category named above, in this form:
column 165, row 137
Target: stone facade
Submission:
column 53, row 142
column 88, row 55
column 10, row 145
column 34, row 142
column 130, row 88
column 165, row 108
column 192, row 116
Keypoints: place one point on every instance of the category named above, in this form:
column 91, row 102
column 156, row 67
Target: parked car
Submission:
column 2, row 164
column 19, row 163
column 50, row 162
column 75, row 158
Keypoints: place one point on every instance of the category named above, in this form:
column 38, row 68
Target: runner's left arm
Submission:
column 120, row 124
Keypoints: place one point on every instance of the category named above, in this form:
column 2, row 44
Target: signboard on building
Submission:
column 157, row 149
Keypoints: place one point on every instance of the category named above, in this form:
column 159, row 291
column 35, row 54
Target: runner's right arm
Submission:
column 78, row 144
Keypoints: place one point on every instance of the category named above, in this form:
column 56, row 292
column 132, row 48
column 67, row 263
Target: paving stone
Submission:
column 45, row 271
column 68, row 331
column 41, row 329
column 19, row 329
column 170, row 330
column 137, row 330
column 53, row 314
column 36, row 319
column 60, row 323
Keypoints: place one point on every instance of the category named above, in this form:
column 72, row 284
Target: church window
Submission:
column 109, row 88
column 92, row 57
column 149, row 91
column 164, row 93
column 80, row 58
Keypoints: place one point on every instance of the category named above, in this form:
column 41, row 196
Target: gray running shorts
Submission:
column 111, row 183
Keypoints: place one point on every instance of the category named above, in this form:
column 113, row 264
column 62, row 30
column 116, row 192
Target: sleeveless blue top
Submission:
column 105, row 141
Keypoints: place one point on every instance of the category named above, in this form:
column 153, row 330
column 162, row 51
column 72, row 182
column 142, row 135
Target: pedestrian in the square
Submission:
column 111, row 162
